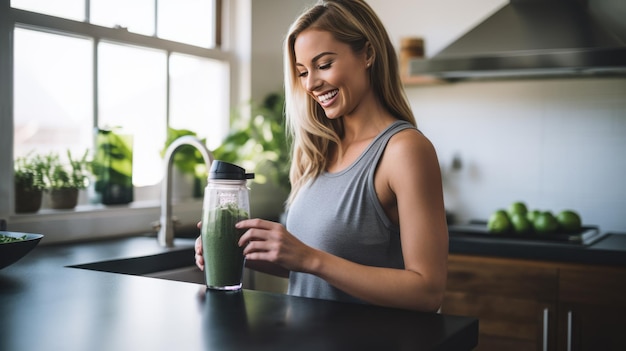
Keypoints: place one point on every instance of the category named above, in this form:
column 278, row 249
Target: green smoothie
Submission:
column 223, row 258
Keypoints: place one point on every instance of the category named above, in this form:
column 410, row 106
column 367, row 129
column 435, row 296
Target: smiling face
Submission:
column 335, row 76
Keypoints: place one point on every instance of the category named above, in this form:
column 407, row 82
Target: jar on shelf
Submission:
column 410, row 48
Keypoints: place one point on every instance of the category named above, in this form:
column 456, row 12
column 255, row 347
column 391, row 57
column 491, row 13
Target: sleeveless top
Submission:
column 340, row 213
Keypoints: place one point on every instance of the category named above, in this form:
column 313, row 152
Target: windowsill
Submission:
column 97, row 221
column 91, row 208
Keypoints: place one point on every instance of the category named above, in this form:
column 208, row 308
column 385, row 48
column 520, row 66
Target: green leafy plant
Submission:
column 112, row 166
column 62, row 178
column 72, row 173
column 259, row 142
column 29, row 172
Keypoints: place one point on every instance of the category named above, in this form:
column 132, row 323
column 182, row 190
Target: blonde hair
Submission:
column 354, row 23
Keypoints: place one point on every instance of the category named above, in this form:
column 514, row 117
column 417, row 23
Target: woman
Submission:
column 366, row 219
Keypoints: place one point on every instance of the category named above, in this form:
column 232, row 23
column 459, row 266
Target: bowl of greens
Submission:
column 14, row 246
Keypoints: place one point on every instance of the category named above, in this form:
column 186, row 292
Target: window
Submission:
column 55, row 89
column 77, row 65
column 70, row 9
column 52, row 100
column 132, row 90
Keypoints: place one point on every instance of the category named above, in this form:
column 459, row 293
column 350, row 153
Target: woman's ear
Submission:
column 369, row 55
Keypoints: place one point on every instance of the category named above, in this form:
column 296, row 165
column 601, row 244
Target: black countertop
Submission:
column 608, row 249
column 45, row 305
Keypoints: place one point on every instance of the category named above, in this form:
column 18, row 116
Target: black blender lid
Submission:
column 229, row 171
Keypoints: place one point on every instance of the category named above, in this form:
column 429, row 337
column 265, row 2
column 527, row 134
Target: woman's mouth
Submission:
column 326, row 99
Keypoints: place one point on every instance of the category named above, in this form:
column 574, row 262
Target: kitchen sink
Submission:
column 175, row 265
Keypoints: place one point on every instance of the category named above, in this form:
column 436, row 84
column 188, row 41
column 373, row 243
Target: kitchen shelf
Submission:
column 421, row 80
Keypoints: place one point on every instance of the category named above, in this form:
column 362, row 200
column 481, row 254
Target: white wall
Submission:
column 270, row 21
column 555, row 144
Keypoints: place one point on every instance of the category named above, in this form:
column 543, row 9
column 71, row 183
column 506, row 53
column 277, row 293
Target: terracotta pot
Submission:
column 27, row 201
column 63, row 199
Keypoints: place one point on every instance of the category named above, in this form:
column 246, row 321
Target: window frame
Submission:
column 93, row 220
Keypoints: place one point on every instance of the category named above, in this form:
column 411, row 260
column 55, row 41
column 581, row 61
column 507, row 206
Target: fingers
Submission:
column 258, row 229
column 198, row 253
column 256, row 241
column 253, row 235
column 200, row 262
column 256, row 223
column 198, row 245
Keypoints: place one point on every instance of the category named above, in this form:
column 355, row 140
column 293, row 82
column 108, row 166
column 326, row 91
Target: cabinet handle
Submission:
column 545, row 329
column 569, row 330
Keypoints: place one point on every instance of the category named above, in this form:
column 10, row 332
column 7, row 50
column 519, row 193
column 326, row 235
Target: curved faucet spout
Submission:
column 165, row 236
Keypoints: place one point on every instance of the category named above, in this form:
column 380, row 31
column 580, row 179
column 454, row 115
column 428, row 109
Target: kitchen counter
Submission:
column 45, row 305
column 609, row 249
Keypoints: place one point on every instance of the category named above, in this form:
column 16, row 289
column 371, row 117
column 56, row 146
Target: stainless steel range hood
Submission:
column 537, row 38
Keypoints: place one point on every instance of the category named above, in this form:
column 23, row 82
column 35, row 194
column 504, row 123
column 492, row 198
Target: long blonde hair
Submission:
column 354, row 23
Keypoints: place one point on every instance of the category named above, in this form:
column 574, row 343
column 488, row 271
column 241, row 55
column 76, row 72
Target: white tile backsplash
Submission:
column 554, row 144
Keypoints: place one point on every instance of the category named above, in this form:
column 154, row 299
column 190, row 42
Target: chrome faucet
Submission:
column 165, row 236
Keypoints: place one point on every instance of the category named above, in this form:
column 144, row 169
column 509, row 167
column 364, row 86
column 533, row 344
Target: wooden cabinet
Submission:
column 592, row 308
column 530, row 305
column 514, row 302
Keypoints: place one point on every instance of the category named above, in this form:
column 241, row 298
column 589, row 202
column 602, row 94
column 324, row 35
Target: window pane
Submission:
column 136, row 15
column 132, row 90
column 199, row 97
column 53, row 105
column 187, row 21
column 71, row 9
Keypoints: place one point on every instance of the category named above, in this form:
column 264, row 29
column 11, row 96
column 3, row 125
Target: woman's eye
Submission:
column 302, row 74
column 325, row 66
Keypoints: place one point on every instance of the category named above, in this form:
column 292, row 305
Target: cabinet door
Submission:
column 506, row 323
column 591, row 327
column 592, row 308
column 514, row 300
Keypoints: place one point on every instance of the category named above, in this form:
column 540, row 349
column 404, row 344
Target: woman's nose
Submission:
column 312, row 82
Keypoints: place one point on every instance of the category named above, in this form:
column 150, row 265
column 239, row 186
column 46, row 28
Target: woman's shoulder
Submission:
column 409, row 156
column 408, row 142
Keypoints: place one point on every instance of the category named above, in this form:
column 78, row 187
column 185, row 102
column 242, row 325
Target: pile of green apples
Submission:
column 518, row 219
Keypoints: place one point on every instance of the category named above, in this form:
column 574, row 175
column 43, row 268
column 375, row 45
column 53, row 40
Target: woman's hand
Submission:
column 199, row 258
column 270, row 242
column 198, row 248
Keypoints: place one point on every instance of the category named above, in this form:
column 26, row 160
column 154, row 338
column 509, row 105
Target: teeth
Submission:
column 327, row 96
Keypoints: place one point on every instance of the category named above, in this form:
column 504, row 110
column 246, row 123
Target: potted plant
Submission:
column 64, row 180
column 112, row 167
column 29, row 183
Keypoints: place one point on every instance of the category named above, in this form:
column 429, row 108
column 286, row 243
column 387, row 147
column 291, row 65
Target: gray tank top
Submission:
column 340, row 213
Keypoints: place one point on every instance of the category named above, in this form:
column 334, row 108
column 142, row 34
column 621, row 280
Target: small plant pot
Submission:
column 27, row 201
column 63, row 199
